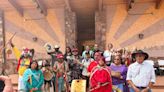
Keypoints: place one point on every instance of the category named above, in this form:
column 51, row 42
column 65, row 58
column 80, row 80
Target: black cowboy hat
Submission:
column 140, row 52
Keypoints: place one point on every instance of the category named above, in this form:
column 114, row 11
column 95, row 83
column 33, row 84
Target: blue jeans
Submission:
column 60, row 84
column 132, row 90
column 120, row 86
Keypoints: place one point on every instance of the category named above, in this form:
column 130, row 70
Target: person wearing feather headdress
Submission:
column 24, row 58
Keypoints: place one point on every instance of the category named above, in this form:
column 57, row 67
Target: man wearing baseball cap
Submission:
column 60, row 69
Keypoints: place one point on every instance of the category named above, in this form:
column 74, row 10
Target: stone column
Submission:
column 2, row 42
column 100, row 29
column 70, row 28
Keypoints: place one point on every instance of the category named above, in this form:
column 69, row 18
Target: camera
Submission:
column 2, row 85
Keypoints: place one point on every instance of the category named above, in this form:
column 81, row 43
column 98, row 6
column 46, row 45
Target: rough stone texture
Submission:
column 100, row 28
column 70, row 28
column 1, row 34
column 9, row 67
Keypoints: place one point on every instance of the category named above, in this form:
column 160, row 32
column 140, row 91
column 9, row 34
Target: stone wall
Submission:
column 9, row 67
column 100, row 29
column 70, row 28
column 1, row 28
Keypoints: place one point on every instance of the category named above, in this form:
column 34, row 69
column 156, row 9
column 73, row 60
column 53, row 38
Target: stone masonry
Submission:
column 100, row 28
column 70, row 28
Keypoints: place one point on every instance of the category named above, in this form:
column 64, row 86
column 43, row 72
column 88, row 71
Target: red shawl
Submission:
column 100, row 80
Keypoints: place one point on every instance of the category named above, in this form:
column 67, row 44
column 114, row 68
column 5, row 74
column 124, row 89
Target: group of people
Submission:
column 104, row 71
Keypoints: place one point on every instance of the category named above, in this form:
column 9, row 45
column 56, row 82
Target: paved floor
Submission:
column 159, row 83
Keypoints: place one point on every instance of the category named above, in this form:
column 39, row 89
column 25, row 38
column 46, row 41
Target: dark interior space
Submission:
column 85, row 12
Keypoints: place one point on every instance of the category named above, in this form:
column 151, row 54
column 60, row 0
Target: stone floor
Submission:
column 158, row 86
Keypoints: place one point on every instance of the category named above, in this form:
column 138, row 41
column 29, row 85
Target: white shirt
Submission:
column 107, row 54
column 141, row 74
column 86, row 64
column 84, row 54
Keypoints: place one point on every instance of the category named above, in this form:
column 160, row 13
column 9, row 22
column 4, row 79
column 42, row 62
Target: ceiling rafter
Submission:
column 18, row 8
column 158, row 4
column 129, row 4
column 41, row 6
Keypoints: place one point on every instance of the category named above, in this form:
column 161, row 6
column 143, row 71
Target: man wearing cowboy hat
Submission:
column 54, row 54
column 140, row 75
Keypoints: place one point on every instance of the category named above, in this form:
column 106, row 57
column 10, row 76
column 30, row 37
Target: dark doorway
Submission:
column 86, row 31
column 85, row 12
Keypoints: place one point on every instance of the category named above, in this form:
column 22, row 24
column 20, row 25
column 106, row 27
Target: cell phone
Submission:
column 2, row 85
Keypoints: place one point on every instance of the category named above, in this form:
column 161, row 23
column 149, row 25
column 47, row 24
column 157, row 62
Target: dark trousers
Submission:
column 53, row 82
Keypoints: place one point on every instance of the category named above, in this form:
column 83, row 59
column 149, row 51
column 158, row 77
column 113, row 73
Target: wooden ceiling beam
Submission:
column 158, row 4
column 40, row 5
column 129, row 4
column 18, row 8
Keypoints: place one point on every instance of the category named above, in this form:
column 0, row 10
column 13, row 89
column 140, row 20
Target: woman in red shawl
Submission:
column 100, row 77
column 94, row 63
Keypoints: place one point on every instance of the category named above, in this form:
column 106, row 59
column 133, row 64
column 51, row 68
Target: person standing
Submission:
column 68, row 54
column 119, row 72
column 94, row 63
column 60, row 69
column 100, row 77
column 24, row 58
column 75, row 65
column 48, row 75
column 87, row 49
column 53, row 51
column 85, row 63
column 54, row 54
column 141, row 74
column 96, row 49
column 108, row 54
column 33, row 78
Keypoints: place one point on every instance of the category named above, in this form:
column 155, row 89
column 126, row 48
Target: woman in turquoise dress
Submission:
column 33, row 78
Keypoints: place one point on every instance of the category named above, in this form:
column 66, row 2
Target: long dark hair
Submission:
column 34, row 61
column 46, row 63
column 69, row 49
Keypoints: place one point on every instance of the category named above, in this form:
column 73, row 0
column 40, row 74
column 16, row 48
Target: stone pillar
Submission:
column 100, row 29
column 70, row 28
column 2, row 42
